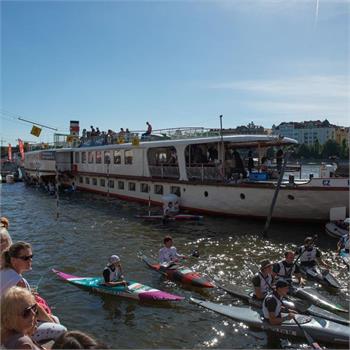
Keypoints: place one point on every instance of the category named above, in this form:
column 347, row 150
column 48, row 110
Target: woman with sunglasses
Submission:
column 18, row 319
column 18, row 259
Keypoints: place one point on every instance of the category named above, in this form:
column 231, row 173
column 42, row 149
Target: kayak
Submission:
column 179, row 273
column 310, row 294
column 300, row 306
column 178, row 217
column 345, row 257
column 134, row 290
column 318, row 328
column 335, row 231
column 323, row 277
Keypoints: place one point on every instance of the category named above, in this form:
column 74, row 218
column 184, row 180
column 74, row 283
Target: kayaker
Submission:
column 262, row 281
column 168, row 255
column 286, row 269
column 272, row 304
column 343, row 243
column 310, row 255
column 113, row 273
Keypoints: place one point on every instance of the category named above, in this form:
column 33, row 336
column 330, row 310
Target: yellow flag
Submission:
column 70, row 138
column 120, row 139
column 36, row 131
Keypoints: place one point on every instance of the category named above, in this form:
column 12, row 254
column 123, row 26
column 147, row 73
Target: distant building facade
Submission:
column 342, row 134
column 308, row 132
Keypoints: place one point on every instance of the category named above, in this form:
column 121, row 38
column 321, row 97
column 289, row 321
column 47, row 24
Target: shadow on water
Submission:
column 91, row 228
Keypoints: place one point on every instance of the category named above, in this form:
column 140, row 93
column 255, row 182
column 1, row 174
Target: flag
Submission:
column 36, row 131
column 10, row 152
column 21, row 148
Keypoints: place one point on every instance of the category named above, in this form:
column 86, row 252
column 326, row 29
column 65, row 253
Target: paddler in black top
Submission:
column 310, row 255
column 262, row 281
column 113, row 273
column 286, row 269
column 272, row 304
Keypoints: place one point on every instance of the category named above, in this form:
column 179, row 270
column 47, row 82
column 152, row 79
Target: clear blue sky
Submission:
column 174, row 63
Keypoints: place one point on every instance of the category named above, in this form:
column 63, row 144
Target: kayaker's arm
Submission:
column 278, row 320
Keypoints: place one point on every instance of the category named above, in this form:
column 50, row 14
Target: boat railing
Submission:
column 204, row 172
column 165, row 171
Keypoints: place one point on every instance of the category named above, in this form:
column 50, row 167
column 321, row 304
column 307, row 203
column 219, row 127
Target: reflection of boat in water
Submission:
column 207, row 173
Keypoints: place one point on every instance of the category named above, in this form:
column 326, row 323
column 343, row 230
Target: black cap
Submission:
column 281, row 284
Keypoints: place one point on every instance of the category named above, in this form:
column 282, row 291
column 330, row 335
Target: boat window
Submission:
column 94, row 181
column 117, row 156
column 132, row 186
column 175, row 190
column 111, row 183
column 77, row 158
column 83, row 157
column 128, row 156
column 98, row 157
column 145, row 188
column 107, row 157
column 162, row 156
column 120, row 185
column 81, row 180
column 242, row 196
column 205, row 193
column 291, row 197
column 87, row 181
column 90, row 157
column 158, row 189
column 102, row 182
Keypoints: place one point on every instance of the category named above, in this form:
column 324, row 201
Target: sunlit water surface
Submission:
column 90, row 228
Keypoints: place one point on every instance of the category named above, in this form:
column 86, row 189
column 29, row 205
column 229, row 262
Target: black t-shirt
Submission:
column 256, row 281
column 107, row 273
column 271, row 304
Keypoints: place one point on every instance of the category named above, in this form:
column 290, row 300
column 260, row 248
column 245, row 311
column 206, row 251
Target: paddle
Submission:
column 308, row 337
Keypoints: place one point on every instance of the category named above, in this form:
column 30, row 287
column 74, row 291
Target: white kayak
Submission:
column 333, row 230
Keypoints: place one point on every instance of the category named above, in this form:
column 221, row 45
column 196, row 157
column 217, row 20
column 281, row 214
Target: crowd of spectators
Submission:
column 96, row 137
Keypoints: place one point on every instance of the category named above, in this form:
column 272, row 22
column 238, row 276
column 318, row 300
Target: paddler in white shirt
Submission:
column 168, row 255
column 113, row 273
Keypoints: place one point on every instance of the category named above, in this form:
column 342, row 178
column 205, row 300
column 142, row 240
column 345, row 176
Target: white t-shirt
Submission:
column 10, row 278
column 167, row 255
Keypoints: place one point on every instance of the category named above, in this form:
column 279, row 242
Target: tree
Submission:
column 344, row 150
column 331, row 149
column 303, row 151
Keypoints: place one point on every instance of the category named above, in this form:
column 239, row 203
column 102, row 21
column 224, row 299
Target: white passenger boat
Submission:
column 201, row 171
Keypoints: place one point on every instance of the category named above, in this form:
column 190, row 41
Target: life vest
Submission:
column 115, row 275
column 285, row 273
column 277, row 311
column 265, row 283
column 306, row 255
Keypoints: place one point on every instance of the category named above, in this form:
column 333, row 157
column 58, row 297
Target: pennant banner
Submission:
column 36, row 131
column 21, row 148
column 10, row 152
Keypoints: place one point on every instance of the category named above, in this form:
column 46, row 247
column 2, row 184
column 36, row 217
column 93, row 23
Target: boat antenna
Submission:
column 222, row 150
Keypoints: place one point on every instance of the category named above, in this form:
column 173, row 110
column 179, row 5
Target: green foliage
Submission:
column 317, row 151
column 331, row 149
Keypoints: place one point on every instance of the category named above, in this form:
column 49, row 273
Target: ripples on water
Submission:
column 91, row 228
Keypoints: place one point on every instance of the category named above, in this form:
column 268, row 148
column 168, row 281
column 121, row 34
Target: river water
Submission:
column 90, row 228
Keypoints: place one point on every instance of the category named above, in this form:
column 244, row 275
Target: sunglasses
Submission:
column 25, row 258
column 29, row 311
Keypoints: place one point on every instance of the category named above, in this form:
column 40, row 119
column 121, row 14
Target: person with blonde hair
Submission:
column 18, row 319
column 5, row 222
column 18, row 259
column 5, row 243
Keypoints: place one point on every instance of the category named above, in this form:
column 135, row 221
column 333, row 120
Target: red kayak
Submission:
column 180, row 274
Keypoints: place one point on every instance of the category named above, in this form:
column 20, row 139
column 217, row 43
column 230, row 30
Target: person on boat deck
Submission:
column 310, row 255
column 149, row 130
column 343, row 243
column 279, row 160
column 262, row 281
column 285, row 269
column 113, row 273
column 250, row 161
column 168, row 254
column 272, row 304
